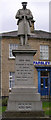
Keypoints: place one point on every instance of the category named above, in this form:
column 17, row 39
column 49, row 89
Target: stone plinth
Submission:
column 24, row 97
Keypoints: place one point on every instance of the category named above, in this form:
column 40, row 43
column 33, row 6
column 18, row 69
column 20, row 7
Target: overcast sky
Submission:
column 8, row 9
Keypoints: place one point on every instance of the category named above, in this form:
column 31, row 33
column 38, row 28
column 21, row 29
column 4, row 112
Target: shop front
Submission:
column 44, row 78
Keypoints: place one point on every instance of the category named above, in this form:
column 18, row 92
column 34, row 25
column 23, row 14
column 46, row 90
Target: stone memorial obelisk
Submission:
column 24, row 99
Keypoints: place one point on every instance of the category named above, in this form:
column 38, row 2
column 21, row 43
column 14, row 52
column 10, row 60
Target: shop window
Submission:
column 44, row 52
column 44, row 73
column 41, row 82
column 46, row 82
column 12, row 47
column 44, row 79
column 11, row 79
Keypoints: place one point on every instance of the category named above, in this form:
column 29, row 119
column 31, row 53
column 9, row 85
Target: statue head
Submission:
column 24, row 4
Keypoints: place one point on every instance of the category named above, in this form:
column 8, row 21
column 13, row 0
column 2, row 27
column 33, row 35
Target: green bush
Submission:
column 4, row 108
column 4, row 101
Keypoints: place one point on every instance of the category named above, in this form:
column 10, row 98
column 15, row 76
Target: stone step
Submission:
column 30, row 114
column 33, row 118
column 23, row 89
column 24, row 106
column 24, row 97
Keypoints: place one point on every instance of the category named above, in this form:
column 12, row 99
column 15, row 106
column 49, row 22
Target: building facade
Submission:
column 0, row 66
column 40, row 41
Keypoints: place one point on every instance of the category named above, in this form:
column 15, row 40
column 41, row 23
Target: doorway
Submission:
column 44, row 82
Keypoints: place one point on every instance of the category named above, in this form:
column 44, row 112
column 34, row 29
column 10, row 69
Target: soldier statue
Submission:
column 24, row 17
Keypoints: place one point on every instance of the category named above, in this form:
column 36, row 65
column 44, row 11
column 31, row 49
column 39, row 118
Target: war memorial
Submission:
column 24, row 100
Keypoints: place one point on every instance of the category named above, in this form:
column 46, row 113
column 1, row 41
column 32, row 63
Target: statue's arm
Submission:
column 18, row 15
column 29, row 16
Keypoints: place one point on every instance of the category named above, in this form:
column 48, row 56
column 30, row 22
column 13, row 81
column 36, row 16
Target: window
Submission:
column 12, row 47
column 11, row 79
column 44, row 79
column 44, row 52
column 41, row 82
column 44, row 73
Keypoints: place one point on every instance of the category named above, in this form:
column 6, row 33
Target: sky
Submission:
column 9, row 8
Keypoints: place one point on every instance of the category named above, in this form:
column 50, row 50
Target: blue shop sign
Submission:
column 42, row 63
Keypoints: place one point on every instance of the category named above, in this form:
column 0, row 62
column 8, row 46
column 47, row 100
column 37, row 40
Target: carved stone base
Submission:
column 23, row 99
column 30, row 114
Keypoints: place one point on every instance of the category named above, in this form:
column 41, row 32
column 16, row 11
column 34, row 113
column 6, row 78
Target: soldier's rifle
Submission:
column 25, row 28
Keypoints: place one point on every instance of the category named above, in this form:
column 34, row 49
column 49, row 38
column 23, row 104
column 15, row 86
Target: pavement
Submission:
column 42, row 118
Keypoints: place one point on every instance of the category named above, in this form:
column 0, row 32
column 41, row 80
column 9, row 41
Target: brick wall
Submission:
column 8, row 65
column 0, row 66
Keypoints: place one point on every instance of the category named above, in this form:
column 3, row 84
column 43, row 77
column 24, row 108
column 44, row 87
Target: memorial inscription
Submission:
column 24, row 68
column 25, row 106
